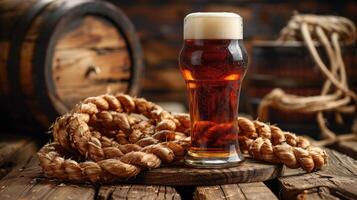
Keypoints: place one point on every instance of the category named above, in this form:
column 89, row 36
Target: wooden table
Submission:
column 25, row 180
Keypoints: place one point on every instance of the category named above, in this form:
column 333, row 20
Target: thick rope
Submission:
column 336, row 96
column 110, row 138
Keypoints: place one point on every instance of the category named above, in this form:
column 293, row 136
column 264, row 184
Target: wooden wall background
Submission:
column 159, row 24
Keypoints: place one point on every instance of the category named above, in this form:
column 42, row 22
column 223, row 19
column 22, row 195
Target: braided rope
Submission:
column 330, row 32
column 269, row 143
column 110, row 138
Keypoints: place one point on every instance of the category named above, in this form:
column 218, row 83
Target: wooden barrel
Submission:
column 56, row 52
column 290, row 66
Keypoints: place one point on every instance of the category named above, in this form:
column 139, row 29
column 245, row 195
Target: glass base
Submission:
column 213, row 159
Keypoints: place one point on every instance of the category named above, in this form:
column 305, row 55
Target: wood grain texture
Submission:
column 28, row 182
column 58, row 52
column 337, row 180
column 248, row 171
column 11, row 12
column 90, row 58
column 14, row 150
column 244, row 191
column 348, row 147
column 136, row 192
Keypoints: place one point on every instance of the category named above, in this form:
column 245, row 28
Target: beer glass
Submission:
column 213, row 62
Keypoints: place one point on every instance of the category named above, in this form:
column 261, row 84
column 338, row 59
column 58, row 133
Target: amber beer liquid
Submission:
column 213, row 62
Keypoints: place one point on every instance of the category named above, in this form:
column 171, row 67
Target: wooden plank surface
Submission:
column 348, row 147
column 246, row 191
column 180, row 175
column 136, row 192
column 28, row 182
column 13, row 150
column 337, row 180
column 334, row 181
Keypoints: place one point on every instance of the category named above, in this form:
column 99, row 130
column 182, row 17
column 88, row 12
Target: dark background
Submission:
column 159, row 25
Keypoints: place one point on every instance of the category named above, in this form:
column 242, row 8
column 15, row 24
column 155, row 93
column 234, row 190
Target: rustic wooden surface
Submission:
column 136, row 192
column 13, row 150
column 246, row 191
column 348, row 147
column 28, row 182
column 337, row 180
column 248, row 171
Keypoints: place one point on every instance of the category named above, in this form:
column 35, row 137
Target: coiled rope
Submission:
column 109, row 138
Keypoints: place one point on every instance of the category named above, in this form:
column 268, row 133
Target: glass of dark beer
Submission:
column 213, row 62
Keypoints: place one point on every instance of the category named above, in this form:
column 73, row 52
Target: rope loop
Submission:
column 336, row 96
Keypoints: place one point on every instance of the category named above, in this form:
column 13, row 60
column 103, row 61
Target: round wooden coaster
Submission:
column 248, row 171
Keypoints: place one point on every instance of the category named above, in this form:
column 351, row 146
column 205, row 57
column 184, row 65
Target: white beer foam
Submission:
column 213, row 25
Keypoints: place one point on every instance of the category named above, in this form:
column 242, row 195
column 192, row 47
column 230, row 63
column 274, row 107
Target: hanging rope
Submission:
column 329, row 32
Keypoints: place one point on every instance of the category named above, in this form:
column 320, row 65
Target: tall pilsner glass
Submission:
column 213, row 62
